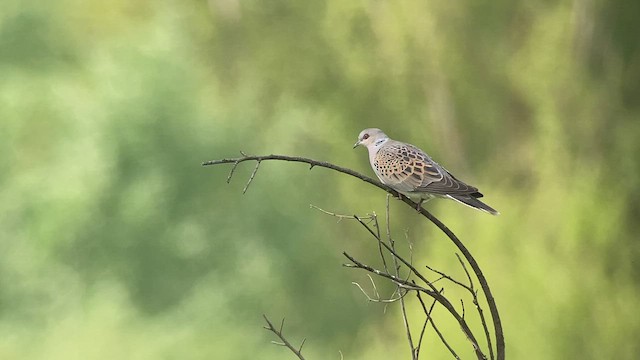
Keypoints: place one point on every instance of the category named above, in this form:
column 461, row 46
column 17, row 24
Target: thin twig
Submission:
column 339, row 216
column 378, row 298
column 371, row 217
column 235, row 165
column 373, row 283
column 433, row 324
column 283, row 340
column 445, row 276
column 397, row 271
column 464, row 267
column 474, row 294
column 392, row 251
column 384, row 258
column 426, row 322
column 253, row 174
column 376, row 225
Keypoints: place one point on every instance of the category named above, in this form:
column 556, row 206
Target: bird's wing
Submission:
column 406, row 168
column 449, row 185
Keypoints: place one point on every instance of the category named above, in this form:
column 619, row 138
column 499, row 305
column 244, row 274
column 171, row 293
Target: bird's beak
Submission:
column 356, row 144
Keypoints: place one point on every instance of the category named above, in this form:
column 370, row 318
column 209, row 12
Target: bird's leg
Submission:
column 419, row 206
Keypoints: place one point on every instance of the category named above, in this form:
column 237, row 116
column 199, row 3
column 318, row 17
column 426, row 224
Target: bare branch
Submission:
column 312, row 162
column 283, row 340
column 432, row 293
column 498, row 331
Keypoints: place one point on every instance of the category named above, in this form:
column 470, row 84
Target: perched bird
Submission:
column 410, row 171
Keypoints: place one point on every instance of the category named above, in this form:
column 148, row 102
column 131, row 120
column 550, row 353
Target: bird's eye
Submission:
column 365, row 136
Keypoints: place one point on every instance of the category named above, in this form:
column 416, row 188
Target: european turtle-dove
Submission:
column 410, row 171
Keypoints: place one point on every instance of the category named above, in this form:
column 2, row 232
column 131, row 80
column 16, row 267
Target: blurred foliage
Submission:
column 115, row 243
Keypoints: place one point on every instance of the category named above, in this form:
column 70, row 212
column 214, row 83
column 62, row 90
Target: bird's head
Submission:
column 371, row 137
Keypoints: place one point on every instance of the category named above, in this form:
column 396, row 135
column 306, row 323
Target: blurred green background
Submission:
column 116, row 243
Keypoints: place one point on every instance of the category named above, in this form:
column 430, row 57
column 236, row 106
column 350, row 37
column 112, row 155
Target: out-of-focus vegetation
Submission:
column 115, row 243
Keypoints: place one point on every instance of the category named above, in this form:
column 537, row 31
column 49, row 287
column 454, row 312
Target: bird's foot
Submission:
column 419, row 206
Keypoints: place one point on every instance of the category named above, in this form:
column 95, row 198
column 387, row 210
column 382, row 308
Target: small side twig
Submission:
column 370, row 217
column 253, row 174
column 445, row 276
column 378, row 298
column 283, row 341
column 339, row 216
column 233, row 169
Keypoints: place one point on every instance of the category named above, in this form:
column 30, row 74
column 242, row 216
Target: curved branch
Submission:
column 500, row 345
column 311, row 162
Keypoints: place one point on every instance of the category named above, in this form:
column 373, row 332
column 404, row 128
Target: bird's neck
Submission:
column 380, row 142
column 373, row 148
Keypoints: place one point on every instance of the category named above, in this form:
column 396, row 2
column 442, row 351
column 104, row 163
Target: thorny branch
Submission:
column 497, row 325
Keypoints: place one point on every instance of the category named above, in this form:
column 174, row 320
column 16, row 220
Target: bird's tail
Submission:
column 474, row 203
